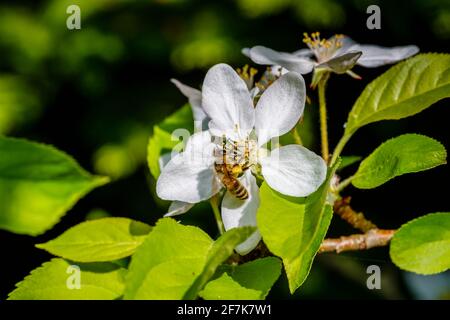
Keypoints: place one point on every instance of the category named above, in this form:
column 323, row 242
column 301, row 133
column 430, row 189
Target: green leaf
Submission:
column 219, row 252
column 404, row 154
column 293, row 228
column 162, row 140
column 259, row 274
column 404, row 90
column 167, row 262
column 56, row 280
column 38, row 184
column 248, row 281
column 226, row 288
column 423, row 245
column 347, row 161
column 104, row 239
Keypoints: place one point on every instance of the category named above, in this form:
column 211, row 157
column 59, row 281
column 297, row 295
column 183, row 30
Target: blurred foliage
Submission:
column 121, row 159
column 19, row 103
column 314, row 14
column 205, row 43
column 98, row 92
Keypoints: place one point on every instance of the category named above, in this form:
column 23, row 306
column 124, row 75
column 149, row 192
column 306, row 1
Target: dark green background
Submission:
column 97, row 92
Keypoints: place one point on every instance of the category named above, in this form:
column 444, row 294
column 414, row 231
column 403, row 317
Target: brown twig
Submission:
column 371, row 239
column 356, row 219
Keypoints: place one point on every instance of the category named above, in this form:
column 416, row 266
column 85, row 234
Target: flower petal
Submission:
column 165, row 158
column 227, row 100
column 189, row 176
column 290, row 61
column 246, row 52
column 280, row 107
column 306, row 52
column 341, row 64
column 294, row 170
column 240, row 213
column 178, row 207
column 375, row 56
column 195, row 100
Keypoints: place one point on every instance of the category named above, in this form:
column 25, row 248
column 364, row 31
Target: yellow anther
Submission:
column 322, row 48
column 246, row 73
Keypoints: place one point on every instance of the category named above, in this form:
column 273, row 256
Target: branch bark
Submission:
column 356, row 219
column 371, row 239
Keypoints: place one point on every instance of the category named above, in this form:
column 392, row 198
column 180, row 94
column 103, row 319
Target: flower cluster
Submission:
column 237, row 119
column 233, row 152
column 339, row 54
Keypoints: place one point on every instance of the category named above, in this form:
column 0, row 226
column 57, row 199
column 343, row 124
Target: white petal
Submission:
column 240, row 213
column 292, row 62
column 189, row 176
column 246, row 52
column 254, row 92
column 227, row 100
column 294, row 170
column 303, row 53
column 195, row 100
column 165, row 158
column 178, row 207
column 375, row 56
column 280, row 107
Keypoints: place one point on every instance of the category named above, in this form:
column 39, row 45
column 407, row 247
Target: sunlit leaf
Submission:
column 219, row 252
column 404, row 90
column 56, row 280
column 423, row 245
column 105, row 239
column 38, row 184
column 226, row 288
column 168, row 262
column 248, row 281
column 293, row 228
column 404, row 154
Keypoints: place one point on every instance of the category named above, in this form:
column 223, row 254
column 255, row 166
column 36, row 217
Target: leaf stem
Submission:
column 345, row 183
column 339, row 147
column 296, row 136
column 215, row 208
column 323, row 118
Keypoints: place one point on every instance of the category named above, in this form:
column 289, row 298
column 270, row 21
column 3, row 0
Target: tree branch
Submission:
column 371, row 239
column 356, row 219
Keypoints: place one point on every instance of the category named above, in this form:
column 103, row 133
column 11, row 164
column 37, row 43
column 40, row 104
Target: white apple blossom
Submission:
column 195, row 100
column 337, row 54
column 201, row 121
column 191, row 176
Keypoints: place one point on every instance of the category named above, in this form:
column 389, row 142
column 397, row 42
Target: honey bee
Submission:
column 230, row 172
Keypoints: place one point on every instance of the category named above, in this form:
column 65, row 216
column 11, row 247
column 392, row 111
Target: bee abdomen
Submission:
column 239, row 191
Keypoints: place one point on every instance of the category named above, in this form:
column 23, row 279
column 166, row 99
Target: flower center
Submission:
column 323, row 49
column 235, row 157
column 248, row 75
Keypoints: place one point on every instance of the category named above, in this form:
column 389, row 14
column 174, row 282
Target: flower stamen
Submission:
column 247, row 74
column 323, row 49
